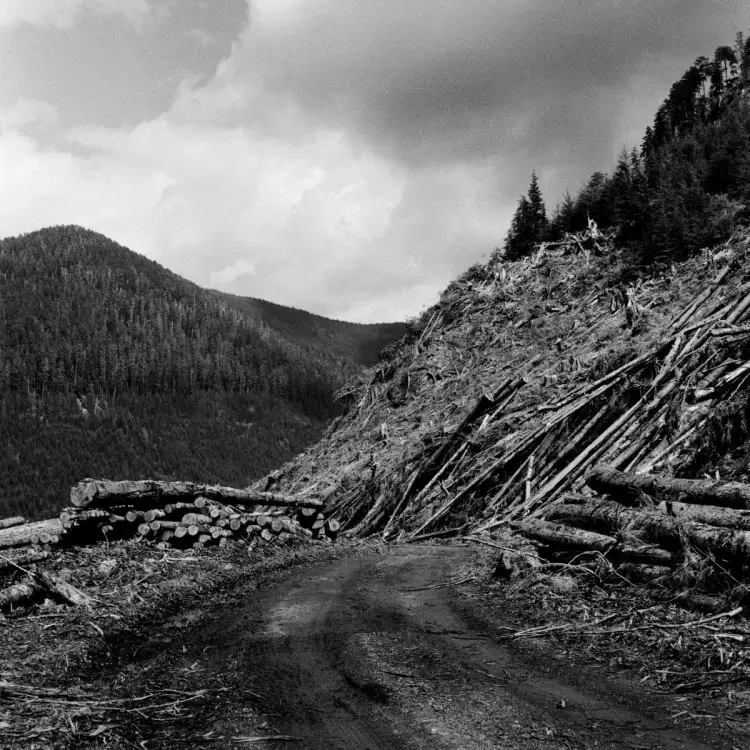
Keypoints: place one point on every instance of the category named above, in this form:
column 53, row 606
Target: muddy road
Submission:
column 378, row 652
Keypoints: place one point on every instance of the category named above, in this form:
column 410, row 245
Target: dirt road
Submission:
column 378, row 652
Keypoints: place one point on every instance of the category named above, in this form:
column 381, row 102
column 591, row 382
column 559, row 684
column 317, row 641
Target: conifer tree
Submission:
column 529, row 225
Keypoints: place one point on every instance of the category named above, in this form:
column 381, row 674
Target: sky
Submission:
column 350, row 159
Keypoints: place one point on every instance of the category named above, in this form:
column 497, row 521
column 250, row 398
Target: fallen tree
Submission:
column 609, row 481
column 646, row 526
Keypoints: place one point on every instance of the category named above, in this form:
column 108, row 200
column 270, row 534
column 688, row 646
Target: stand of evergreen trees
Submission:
column 684, row 189
column 112, row 366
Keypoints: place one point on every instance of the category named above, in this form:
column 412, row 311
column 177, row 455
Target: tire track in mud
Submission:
column 366, row 652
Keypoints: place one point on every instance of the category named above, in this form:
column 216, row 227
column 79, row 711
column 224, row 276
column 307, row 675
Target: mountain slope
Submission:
column 359, row 343
column 501, row 396
column 111, row 365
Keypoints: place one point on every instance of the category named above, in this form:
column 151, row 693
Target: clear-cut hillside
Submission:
column 496, row 403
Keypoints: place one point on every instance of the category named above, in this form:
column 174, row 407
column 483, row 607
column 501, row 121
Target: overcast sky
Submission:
column 348, row 158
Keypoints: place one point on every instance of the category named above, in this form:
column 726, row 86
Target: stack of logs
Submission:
column 179, row 514
column 647, row 526
column 172, row 514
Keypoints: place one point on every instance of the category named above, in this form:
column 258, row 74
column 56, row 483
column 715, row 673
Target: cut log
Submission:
column 277, row 526
column 179, row 508
column 19, row 536
column 266, row 535
column 18, row 594
column 77, row 515
column 262, row 520
column 707, row 514
column 26, row 557
column 153, row 515
column 166, row 525
column 306, row 517
column 104, row 492
column 6, row 523
column 62, row 590
column 144, row 529
column 655, row 527
column 192, row 519
column 618, row 484
column 557, row 535
column 180, row 532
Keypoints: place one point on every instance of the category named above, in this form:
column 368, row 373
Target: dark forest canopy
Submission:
column 688, row 185
column 114, row 366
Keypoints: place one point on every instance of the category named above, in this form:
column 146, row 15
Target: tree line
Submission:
column 687, row 185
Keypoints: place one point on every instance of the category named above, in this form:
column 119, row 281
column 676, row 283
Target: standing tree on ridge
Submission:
column 529, row 225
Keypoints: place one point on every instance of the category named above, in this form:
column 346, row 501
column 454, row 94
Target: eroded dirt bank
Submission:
column 379, row 651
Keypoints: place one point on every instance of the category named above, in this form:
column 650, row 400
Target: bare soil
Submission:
column 397, row 648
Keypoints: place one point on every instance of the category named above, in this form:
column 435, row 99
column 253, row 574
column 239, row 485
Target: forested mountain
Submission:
column 686, row 188
column 358, row 343
column 111, row 365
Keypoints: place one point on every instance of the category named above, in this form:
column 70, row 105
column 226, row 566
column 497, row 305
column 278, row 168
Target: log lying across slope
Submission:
column 652, row 539
column 607, row 480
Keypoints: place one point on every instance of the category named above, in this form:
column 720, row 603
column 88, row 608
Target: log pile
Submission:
column 675, row 525
column 169, row 514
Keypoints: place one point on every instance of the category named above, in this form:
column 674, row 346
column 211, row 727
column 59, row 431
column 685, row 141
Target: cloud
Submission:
column 26, row 112
column 453, row 81
column 317, row 222
column 228, row 274
column 351, row 159
column 62, row 13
